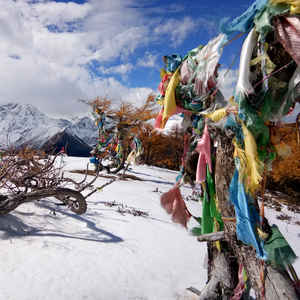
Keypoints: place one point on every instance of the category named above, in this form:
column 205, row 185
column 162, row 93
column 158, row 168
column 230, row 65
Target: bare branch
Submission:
column 100, row 187
column 211, row 237
column 29, row 175
column 10, row 203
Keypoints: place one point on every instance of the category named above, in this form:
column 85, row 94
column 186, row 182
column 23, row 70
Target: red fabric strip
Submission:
column 287, row 33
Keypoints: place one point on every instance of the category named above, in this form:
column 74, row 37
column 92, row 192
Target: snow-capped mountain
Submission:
column 24, row 124
column 74, row 146
column 85, row 129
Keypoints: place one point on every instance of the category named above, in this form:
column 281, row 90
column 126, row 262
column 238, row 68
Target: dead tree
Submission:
column 253, row 111
column 238, row 235
column 223, row 264
column 28, row 175
column 234, row 251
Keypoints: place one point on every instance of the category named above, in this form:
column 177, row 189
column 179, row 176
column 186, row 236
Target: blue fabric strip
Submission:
column 244, row 22
column 244, row 217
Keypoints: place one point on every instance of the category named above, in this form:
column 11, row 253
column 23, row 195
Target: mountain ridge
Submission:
column 24, row 124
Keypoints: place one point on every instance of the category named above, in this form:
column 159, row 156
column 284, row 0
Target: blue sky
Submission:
column 54, row 52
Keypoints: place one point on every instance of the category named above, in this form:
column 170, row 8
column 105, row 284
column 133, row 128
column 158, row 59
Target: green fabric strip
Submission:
column 279, row 251
column 209, row 210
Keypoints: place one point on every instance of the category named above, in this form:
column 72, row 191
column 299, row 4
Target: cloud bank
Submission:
column 53, row 53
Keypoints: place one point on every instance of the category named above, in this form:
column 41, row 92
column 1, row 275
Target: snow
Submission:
column 24, row 123
column 103, row 254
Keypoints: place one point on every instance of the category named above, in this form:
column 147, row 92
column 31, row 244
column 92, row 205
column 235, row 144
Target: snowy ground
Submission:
column 103, row 254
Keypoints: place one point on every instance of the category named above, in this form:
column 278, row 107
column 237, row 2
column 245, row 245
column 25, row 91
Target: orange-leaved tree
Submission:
column 124, row 116
column 162, row 148
column 286, row 169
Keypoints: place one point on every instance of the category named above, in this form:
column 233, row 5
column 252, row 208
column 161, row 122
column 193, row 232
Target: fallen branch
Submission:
column 100, row 187
column 125, row 170
column 211, row 237
column 194, row 290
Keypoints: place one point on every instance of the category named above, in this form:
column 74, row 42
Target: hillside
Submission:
column 51, row 253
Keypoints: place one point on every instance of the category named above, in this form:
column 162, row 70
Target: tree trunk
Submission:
column 234, row 251
column 78, row 205
column 148, row 154
column 122, row 163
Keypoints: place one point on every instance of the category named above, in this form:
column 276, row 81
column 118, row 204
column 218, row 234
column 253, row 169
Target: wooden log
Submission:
column 211, row 237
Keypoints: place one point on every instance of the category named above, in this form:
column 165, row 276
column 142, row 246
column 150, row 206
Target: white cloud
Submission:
column 175, row 29
column 228, row 83
column 137, row 95
column 50, row 51
column 14, row 30
column 59, row 14
column 122, row 44
column 121, row 69
column 176, row 7
column 47, row 48
column 149, row 60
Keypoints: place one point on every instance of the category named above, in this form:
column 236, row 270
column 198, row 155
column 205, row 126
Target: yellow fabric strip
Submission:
column 270, row 66
column 217, row 115
column 170, row 102
column 250, row 168
column 295, row 5
column 160, row 102
column 163, row 73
